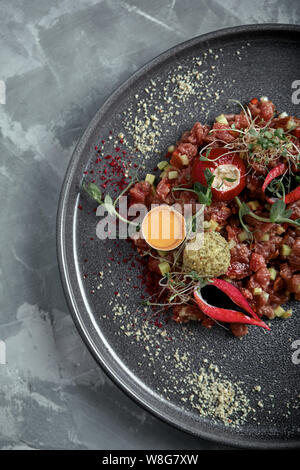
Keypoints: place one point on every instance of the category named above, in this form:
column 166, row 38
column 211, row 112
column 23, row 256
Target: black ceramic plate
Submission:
column 162, row 366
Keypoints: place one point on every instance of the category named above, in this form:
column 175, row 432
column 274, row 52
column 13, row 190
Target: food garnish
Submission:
column 226, row 315
column 228, row 170
column 110, row 205
column 208, row 254
column 203, row 191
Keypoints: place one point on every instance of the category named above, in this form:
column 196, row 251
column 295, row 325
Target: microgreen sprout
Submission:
column 203, row 192
column 110, row 205
column 179, row 286
column 258, row 143
column 278, row 214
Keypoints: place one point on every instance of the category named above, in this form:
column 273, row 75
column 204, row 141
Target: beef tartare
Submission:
column 244, row 172
column 244, row 169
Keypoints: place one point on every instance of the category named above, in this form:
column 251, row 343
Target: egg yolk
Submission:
column 163, row 228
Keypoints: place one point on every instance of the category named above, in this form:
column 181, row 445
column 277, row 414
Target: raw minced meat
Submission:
column 266, row 268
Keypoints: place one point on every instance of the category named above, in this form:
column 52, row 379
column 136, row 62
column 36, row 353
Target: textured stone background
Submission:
column 60, row 59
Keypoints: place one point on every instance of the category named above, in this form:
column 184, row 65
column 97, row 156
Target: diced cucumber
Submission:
column 162, row 165
column 222, row 119
column 150, row 178
column 164, row 268
column 279, row 311
column 165, row 172
column 184, row 159
column 291, row 124
column 257, row 290
column 172, row 175
column 273, row 274
column 286, row 250
column 265, row 237
column 287, row 313
column 171, row 148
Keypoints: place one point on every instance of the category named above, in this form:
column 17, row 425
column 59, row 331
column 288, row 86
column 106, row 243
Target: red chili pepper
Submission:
column 234, row 294
column 293, row 196
column 254, row 101
column 274, row 173
column 229, row 171
column 226, row 315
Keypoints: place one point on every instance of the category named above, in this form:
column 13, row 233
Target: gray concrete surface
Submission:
column 60, row 59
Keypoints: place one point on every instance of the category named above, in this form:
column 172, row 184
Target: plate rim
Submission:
column 230, row 440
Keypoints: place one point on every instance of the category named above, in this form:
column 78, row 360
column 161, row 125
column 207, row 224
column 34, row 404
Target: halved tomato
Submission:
column 229, row 173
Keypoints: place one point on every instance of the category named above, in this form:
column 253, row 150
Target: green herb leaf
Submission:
column 209, row 177
column 268, row 135
column 204, row 192
column 288, row 213
column 279, row 132
column 230, row 180
column 204, row 197
column 277, row 211
column 253, row 132
column 278, row 214
column 198, row 187
column 93, row 191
